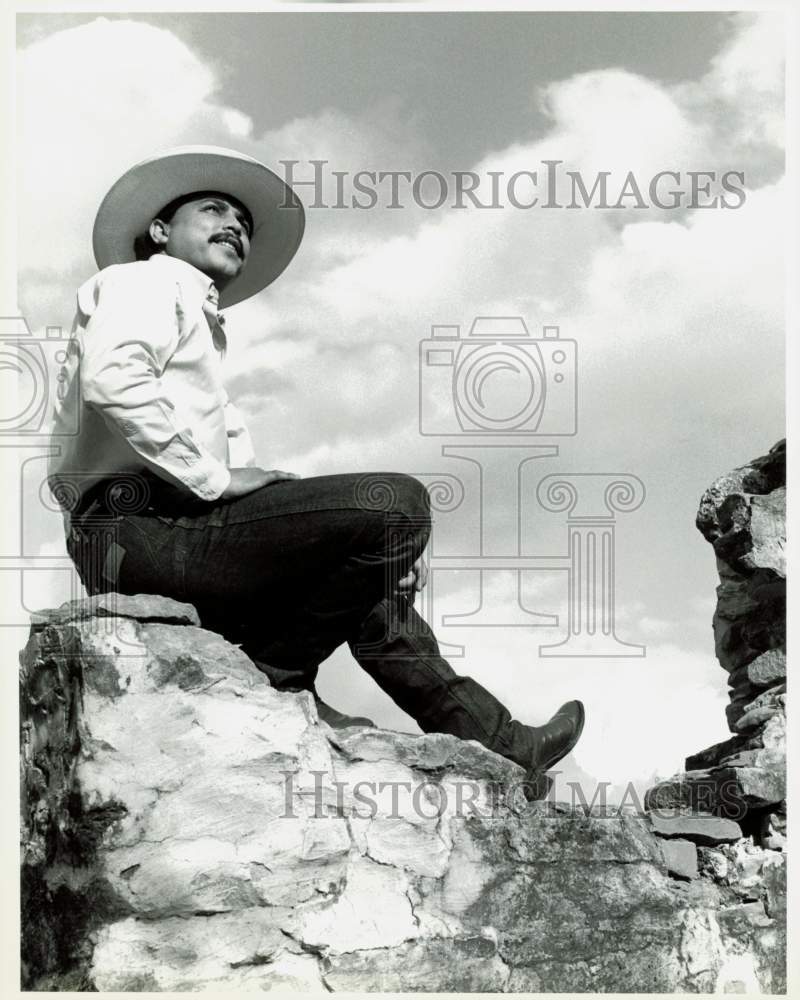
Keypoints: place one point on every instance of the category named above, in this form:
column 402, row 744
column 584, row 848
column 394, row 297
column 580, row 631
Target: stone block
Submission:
column 760, row 476
column 753, row 531
column 691, row 791
column 754, row 787
column 764, row 671
column 680, row 858
column 700, row 828
column 763, row 707
column 713, row 755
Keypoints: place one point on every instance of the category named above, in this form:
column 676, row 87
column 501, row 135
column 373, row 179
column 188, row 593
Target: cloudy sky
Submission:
column 677, row 314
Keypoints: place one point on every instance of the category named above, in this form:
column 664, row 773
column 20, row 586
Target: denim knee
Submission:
column 396, row 494
column 393, row 492
column 412, row 500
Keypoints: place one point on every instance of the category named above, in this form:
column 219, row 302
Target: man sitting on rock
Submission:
column 161, row 483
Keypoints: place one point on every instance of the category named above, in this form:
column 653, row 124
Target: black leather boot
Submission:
column 555, row 739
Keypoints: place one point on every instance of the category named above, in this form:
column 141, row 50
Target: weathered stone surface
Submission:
column 765, row 746
column 743, row 515
column 702, row 829
column 447, row 965
column 713, row 755
column 143, row 607
column 732, row 789
column 737, row 707
column 697, row 791
column 711, row 861
column 680, row 857
column 242, row 950
column 772, row 735
column 751, row 531
column 187, row 827
column 755, row 787
column 766, row 705
column 750, row 617
column 760, row 476
column 434, row 753
column 756, row 716
column 746, row 867
column 764, row 758
column 764, row 671
column 772, row 830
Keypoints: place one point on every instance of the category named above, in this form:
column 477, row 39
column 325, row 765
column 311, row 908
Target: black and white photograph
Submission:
column 395, row 455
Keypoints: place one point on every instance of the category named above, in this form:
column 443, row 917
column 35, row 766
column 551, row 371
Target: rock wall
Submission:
column 743, row 516
column 187, row 827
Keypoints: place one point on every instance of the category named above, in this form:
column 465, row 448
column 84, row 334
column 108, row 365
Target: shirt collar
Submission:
column 188, row 273
column 206, row 291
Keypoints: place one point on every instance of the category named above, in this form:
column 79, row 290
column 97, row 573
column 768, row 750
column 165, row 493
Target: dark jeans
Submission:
column 292, row 571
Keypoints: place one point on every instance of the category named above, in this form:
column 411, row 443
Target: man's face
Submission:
column 211, row 232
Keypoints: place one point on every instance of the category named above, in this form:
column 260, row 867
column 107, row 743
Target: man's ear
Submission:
column 159, row 232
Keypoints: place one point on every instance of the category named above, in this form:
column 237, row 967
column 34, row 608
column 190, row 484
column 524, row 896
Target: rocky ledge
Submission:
column 743, row 515
column 187, row 827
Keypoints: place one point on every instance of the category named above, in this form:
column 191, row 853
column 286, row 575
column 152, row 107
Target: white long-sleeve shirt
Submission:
column 142, row 385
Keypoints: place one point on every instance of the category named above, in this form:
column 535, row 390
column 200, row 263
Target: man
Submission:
column 290, row 568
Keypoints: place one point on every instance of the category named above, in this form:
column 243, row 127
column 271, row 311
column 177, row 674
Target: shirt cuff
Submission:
column 213, row 485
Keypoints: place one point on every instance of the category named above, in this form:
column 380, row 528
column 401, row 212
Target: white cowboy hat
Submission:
column 137, row 197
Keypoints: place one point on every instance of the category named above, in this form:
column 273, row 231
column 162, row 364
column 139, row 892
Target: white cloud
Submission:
column 237, row 123
column 92, row 100
column 679, row 317
column 749, row 76
column 619, row 121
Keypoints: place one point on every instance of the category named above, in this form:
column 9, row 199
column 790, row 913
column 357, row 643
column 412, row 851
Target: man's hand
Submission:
column 244, row 481
column 415, row 579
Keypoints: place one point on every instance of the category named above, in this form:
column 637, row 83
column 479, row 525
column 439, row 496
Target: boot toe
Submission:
column 559, row 736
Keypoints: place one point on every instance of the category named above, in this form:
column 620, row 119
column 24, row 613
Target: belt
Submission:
column 140, row 493
column 118, row 495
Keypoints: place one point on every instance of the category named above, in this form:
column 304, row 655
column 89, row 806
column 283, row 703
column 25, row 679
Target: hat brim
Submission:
column 135, row 199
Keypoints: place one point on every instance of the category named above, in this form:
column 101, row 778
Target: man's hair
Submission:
column 144, row 246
